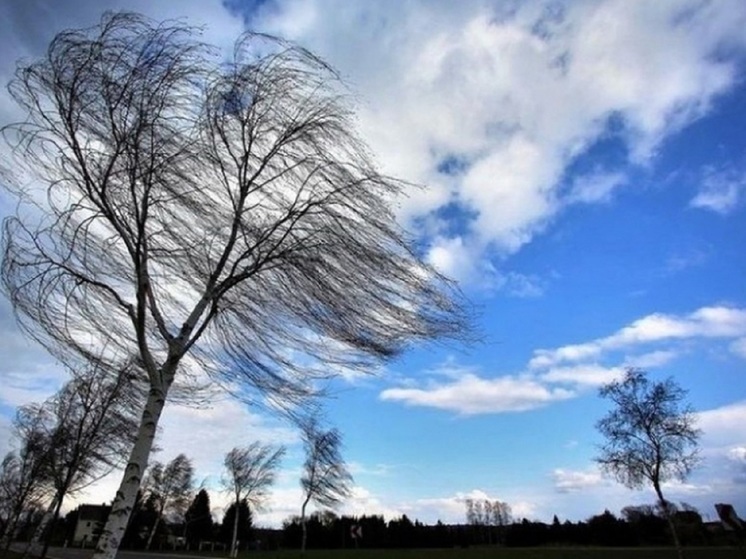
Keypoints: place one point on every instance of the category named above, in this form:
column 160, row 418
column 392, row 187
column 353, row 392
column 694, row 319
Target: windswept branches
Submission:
column 170, row 487
column 195, row 214
column 650, row 435
column 325, row 480
column 24, row 475
column 249, row 473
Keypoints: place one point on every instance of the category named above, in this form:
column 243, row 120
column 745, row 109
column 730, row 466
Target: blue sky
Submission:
column 585, row 165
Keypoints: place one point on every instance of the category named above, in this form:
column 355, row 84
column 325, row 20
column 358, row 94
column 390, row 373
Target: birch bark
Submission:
column 124, row 501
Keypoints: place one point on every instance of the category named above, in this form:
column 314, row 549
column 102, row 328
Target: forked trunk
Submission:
column 124, row 501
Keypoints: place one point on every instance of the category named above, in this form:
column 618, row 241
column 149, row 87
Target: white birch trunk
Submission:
column 36, row 544
column 124, row 501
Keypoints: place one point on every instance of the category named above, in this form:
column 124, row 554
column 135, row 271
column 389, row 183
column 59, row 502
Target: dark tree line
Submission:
column 637, row 526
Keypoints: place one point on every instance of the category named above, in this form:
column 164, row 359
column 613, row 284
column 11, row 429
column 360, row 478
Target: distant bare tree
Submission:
column 250, row 472
column 500, row 517
column 211, row 218
column 487, row 514
column 325, row 480
column 24, row 479
column 171, row 486
column 90, row 427
column 650, row 436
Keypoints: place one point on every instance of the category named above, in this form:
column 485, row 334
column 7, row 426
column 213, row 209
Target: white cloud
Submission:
column 515, row 95
column 452, row 258
column 462, row 260
column 651, row 360
column 706, row 322
column 207, row 434
column 721, row 191
column 520, row 285
column 358, row 469
column 585, row 375
column 738, row 454
column 596, row 187
column 723, row 427
column 571, row 481
column 471, row 394
column 566, row 372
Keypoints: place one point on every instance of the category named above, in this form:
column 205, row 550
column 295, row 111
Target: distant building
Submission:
column 89, row 524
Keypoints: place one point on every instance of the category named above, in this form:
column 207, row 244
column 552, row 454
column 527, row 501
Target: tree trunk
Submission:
column 40, row 543
column 124, row 501
column 304, row 537
column 153, row 530
column 669, row 519
column 35, row 545
column 11, row 529
column 52, row 524
column 234, row 540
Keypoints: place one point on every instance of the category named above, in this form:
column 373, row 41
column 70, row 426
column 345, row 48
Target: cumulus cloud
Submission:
column 706, row 322
column 554, row 375
column 723, row 427
column 571, row 481
column 469, row 83
column 591, row 375
column 471, row 394
column 652, row 359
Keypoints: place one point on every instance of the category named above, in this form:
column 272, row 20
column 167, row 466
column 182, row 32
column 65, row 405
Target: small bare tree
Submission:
column 500, row 518
column 210, row 218
column 326, row 480
column 24, row 476
column 90, row 427
column 650, row 436
column 250, row 472
column 171, row 487
column 487, row 514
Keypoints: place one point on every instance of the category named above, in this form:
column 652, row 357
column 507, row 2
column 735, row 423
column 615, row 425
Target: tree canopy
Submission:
column 214, row 220
column 649, row 435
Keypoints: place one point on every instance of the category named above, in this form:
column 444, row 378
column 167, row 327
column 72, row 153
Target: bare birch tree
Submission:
column 171, row 487
column 24, row 475
column 250, row 472
column 326, row 480
column 650, row 436
column 213, row 219
column 90, row 427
